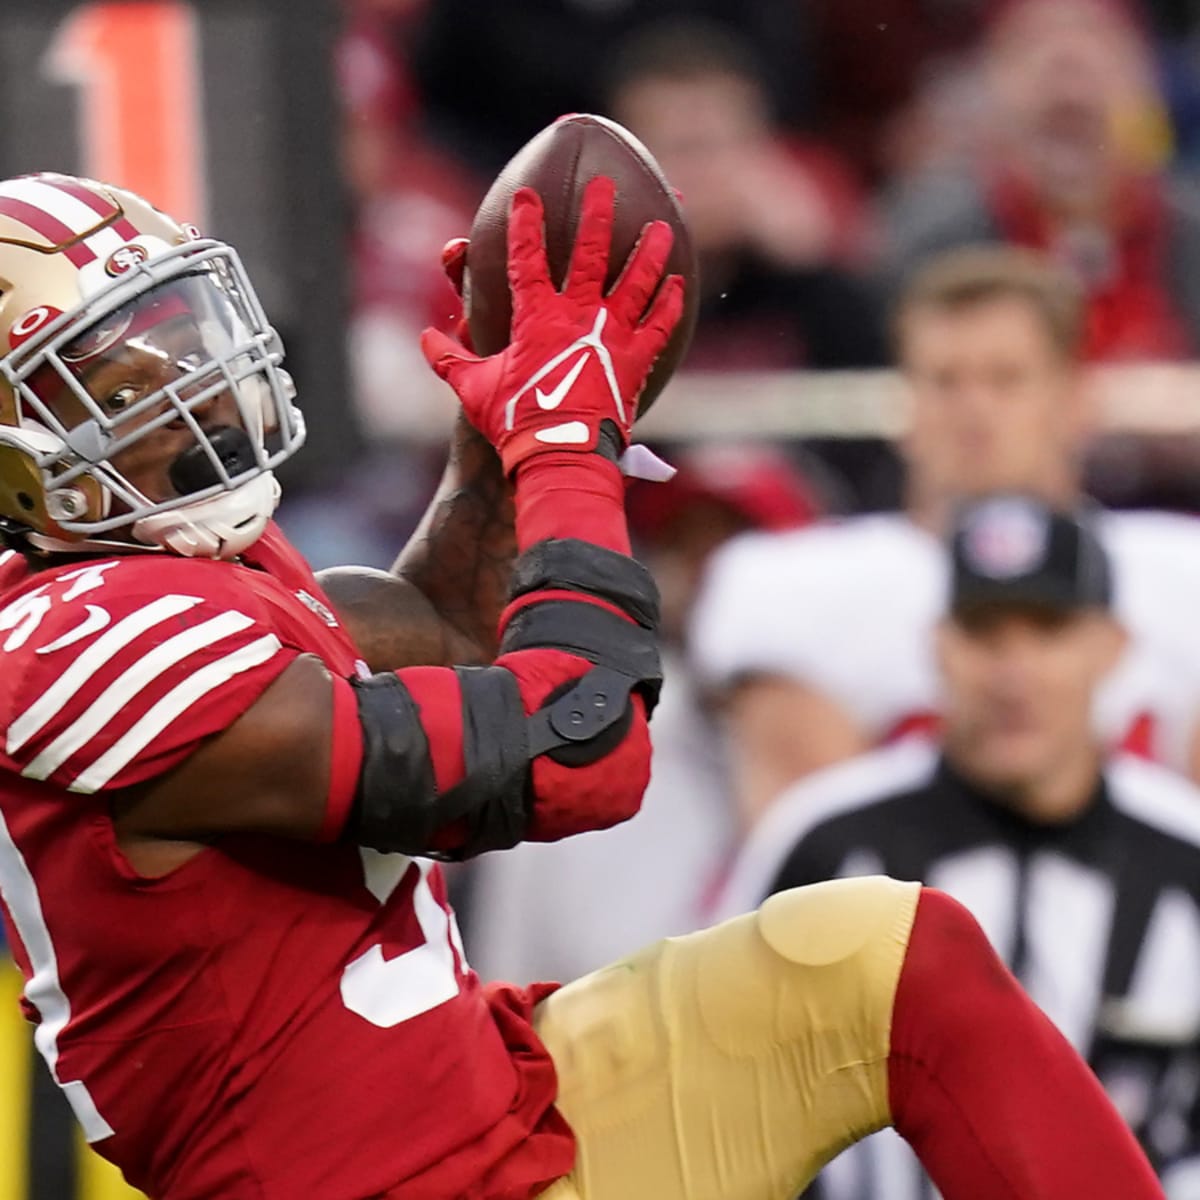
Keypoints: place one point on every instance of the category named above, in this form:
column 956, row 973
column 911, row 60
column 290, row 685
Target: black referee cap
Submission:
column 1014, row 550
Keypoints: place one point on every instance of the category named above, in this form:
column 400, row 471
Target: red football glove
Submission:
column 454, row 266
column 577, row 357
column 454, row 262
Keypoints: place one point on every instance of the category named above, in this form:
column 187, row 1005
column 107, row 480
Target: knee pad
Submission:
column 815, row 966
column 825, row 923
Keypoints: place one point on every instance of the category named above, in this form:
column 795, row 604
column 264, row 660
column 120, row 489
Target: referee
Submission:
column 1082, row 867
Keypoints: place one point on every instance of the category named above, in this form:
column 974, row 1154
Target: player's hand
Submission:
column 454, row 267
column 454, row 262
column 578, row 357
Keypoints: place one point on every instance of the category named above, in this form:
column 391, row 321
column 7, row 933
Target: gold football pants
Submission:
column 734, row 1063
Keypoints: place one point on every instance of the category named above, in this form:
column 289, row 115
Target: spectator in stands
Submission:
column 873, row 59
column 778, row 224
column 821, row 641
column 560, row 911
column 410, row 197
column 1070, row 163
column 492, row 75
column 1083, row 867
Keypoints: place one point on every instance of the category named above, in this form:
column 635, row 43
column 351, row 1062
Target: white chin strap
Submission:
column 221, row 527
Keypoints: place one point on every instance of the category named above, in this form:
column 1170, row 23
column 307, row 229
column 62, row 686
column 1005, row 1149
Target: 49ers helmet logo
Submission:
column 125, row 259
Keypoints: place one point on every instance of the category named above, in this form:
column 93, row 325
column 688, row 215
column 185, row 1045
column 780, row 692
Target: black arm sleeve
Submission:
column 398, row 806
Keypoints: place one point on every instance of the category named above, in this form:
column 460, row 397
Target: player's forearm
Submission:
column 551, row 740
column 442, row 603
column 569, row 495
column 460, row 557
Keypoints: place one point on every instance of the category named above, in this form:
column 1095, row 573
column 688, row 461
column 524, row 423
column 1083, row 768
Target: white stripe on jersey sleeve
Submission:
column 138, row 677
column 173, row 705
column 51, row 702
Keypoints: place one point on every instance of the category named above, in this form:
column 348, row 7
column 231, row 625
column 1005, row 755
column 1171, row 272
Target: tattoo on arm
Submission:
column 461, row 556
column 443, row 598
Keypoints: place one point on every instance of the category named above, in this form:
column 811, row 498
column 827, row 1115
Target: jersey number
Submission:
column 389, row 991
column 385, row 992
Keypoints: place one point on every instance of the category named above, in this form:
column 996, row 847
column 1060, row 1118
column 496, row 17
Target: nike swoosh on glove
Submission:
column 577, row 357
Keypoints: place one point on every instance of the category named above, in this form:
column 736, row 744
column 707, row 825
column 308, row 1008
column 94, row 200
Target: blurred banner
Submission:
column 221, row 113
column 1147, row 399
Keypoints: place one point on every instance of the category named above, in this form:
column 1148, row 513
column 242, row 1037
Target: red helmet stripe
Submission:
column 50, row 227
column 97, row 203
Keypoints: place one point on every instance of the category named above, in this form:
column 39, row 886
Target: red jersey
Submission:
column 273, row 1019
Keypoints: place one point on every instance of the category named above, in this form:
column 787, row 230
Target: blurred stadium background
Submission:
column 823, row 147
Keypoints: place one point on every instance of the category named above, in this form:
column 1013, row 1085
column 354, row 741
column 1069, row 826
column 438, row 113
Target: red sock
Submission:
column 994, row 1100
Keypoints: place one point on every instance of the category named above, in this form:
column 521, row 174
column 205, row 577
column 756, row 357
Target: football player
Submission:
column 223, row 785
column 812, row 668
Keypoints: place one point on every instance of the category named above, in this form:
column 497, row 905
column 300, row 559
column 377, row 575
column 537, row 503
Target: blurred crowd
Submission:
column 995, row 684
column 821, row 149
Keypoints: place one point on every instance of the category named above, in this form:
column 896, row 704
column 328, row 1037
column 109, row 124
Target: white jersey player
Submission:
column 820, row 640
column 849, row 608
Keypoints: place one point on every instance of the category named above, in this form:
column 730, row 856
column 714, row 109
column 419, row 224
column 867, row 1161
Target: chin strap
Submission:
column 221, row 527
column 45, row 544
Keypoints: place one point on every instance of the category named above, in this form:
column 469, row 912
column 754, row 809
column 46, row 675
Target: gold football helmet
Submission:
column 127, row 335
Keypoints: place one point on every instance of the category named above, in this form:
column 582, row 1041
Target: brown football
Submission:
column 557, row 164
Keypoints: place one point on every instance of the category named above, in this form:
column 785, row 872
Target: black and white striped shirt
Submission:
column 1099, row 918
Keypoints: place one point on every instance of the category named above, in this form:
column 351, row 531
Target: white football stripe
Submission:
column 123, row 689
column 51, row 702
column 6, row 555
column 172, row 706
column 103, row 242
column 72, row 212
column 62, row 206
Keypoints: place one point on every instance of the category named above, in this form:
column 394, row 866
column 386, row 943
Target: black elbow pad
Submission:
column 398, row 807
column 627, row 648
column 395, row 806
